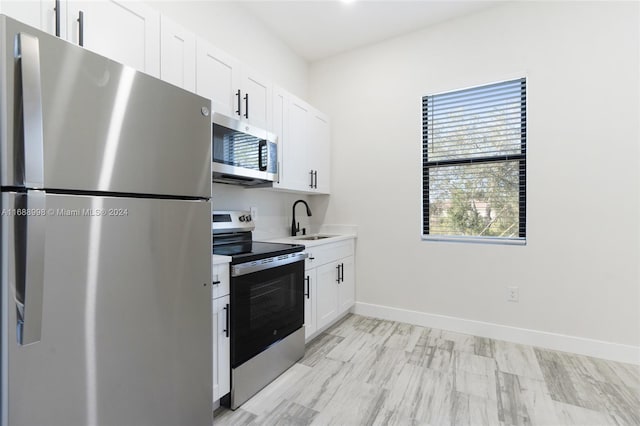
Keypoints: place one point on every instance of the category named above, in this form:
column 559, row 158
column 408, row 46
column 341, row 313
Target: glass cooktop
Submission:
column 248, row 251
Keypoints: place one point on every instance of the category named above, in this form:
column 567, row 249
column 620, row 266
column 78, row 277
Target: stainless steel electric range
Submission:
column 266, row 307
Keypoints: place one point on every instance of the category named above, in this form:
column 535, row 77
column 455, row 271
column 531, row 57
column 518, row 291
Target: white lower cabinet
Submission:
column 327, row 302
column 221, row 348
column 221, row 341
column 310, row 299
column 220, row 284
column 347, row 285
column 329, row 284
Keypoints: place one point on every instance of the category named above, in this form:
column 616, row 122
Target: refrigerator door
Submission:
column 101, row 126
column 125, row 333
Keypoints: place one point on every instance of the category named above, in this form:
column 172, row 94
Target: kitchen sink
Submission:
column 313, row 237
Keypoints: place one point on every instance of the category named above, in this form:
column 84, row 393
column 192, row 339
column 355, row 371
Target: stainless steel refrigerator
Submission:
column 105, row 175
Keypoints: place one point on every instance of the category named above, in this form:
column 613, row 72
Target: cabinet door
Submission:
column 327, row 294
column 320, row 151
column 220, row 286
column 310, row 297
column 40, row 14
column 347, row 286
column 125, row 31
column 221, row 348
column 256, row 99
column 214, row 327
column 177, row 55
column 295, row 158
column 279, row 122
column 218, row 78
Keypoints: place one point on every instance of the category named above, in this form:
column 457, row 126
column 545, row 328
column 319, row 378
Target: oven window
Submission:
column 266, row 306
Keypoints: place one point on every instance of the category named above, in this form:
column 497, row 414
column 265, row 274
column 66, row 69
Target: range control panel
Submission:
column 223, row 221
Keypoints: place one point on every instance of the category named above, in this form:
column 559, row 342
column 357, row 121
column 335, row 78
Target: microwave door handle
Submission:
column 261, row 164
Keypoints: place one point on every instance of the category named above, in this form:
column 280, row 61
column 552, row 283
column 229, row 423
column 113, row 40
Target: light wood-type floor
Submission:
column 366, row 371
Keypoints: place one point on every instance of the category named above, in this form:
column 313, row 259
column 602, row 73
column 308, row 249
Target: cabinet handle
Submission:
column 238, row 96
column 342, row 272
column 57, row 10
column 315, row 174
column 311, row 174
column 311, row 257
column 81, row 28
column 338, row 268
column 216, row 283
column 226, row 330
column 246, row 106
column 308, row 288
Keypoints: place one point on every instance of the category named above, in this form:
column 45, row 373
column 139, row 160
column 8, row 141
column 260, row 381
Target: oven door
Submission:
column 266, row 306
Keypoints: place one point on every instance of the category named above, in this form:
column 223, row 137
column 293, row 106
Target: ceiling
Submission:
column 318, row 29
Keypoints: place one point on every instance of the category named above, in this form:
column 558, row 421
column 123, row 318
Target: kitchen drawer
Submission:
column 220, row 275
column 323, row 254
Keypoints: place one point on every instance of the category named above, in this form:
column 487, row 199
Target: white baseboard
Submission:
column 560, row 342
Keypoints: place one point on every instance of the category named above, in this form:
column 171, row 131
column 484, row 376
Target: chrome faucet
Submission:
column 295, row 227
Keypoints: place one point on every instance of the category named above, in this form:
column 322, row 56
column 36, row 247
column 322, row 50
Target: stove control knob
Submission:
column 242, row 218
column 248, row 218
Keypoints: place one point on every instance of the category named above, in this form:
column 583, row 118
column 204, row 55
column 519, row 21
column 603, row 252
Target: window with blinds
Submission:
column 474, row 145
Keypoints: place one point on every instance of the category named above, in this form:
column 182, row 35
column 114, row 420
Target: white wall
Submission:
column 229, row 27
column 578, row 274
column 274, row 209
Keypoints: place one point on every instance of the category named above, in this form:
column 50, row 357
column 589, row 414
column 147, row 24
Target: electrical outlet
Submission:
column 253, row 211
column 513, row 294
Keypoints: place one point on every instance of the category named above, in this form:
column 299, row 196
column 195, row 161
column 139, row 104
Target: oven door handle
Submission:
column 271, row 262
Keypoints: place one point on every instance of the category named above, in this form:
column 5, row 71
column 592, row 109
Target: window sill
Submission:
column 476, row 240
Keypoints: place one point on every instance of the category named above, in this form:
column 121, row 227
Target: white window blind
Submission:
column 474, row 162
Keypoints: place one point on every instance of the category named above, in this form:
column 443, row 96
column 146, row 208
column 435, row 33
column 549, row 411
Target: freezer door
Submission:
column 126, row 335
column 95, row 125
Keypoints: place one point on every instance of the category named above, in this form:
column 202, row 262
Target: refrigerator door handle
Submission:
column 28, row 51
column 30, row 220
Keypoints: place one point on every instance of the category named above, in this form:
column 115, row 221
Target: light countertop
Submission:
column 313, row 243
column 217, row 259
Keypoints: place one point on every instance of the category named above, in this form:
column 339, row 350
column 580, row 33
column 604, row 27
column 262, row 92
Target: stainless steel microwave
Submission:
column 243, row 154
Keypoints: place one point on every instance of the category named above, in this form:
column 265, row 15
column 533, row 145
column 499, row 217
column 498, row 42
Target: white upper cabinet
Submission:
column 177, row 55
column 280, row 119
column 234, row 89
column 296, row 174
column 40, row 14
column 304, row 144
column 125, row 31
column 218, row 78
column 320, row 151
column 257, row 94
